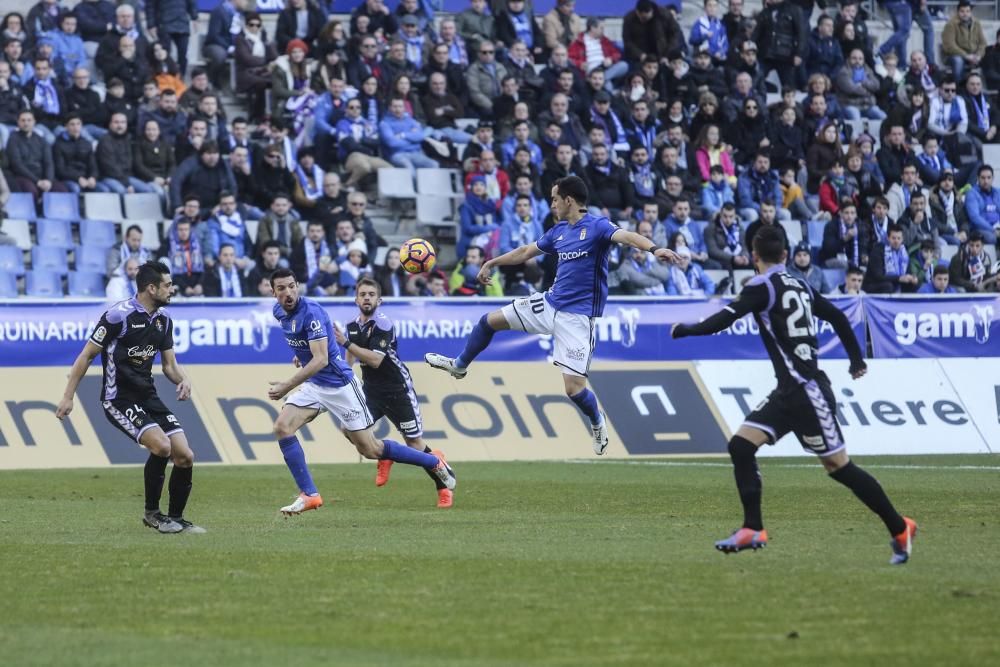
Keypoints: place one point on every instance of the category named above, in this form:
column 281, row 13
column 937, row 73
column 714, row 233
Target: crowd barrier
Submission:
column 933, row 387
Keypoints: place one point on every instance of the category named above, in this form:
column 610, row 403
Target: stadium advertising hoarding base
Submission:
column 517, row 411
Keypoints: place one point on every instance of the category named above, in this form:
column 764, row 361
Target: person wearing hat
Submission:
column 963, row 43
column 417, row 44
column 300, row 19
column 748, row 62
column 803, row 269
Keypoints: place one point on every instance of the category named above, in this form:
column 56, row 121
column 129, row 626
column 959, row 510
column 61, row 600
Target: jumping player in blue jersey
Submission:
column 568, row 310
column 325, row 382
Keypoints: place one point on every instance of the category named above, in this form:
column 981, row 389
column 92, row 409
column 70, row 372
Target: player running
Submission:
column 128, row 337
column 387, row 383
column 326, row 382
column 803, row 402
column 568, row 310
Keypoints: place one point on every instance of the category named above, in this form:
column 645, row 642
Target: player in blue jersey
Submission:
column 325, row 382
column 568, row 310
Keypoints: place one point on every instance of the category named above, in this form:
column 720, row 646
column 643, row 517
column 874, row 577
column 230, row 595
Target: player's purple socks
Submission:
column 295, row 459
column 478, row 341
column 587, row 402
column 400, row 453
column 748, row 482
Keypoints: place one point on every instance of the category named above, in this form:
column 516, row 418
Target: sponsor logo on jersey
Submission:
column 583, row 234
column 974, row 323
column 159, row 325
column 574, row 254
column 315, row 325
column 350, row 415
column 577, row 354
column 297, row 342
column 138, row 326
column 138, row 352
column 99, row 334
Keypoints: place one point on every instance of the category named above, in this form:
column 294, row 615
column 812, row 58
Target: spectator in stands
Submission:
column 367, row 63
column 154, row 162
column 12, row 102
column 483, row 77
column 171, row 122
column 402, row 87
column 116, row 102
column 21, row 70
column 185, row 256
column 822, row 155
column 716, row 192
column 190, row 143
column 649, row 30
column 224, row 279
column 130, row 248
column 476, row 26
column 345, row 239
column 592, row 51
column 228, row 226
column 497, row 180
column 109, row 51
column 42, row 19
column 331, row 203
column 170, row 22
column 259, row 279
column 835, row 187
column 919, row 223
column 708, row 30
column 122, row 286
column 939, row 283
column 899, row 194
column 300, row 19
column 923, row 263
column 29, row 158
column 524, row 185
column 757, row 185
column 894, row 155
column 562, row 24
column 391, row 276
column 464, row 279
column 803, row 269
column 824, row 54
column 215, row 122
column 562, row 163
column 852, row 283
column 253, row 55
column 401, row 137
column 12, row 27
column 680, row 221
column 68, row 52
column 199, row 86
column 313, row 263
column 847, row 22
column 931, row 163
column 308, row 183
column 192, row 212
column 888, row 271
column 991, row 64
column 114, row 159
column 378, row 15
column 948, row 118
column 433, row 284
column 224, row 24
column 442, row 108
column 440, row 63
column 877, row 229
column 982, row 206
column 641, row 273
column 921, row 75
column 641, row 176
column 454, row 46
column 951, row 205
column 963, row 43
column 478, row 217
column 330, row 108
column 204, row 175
column 281, row 225
column 724, row 240
column 517, row 23
column 768, row 216
column 687, row 278
column 710, row 150
column 983, row 121
column 395, row 65
column 364, row 228
column 845, row 242
column 611, row 190
column 971, row 268
column 73, row 159
column 747, row 125
column 357, row 144
column 521, row 227
column 417, row 44
column 857, row 85
column 95, row 19
column 46, row 98
column 783, row 37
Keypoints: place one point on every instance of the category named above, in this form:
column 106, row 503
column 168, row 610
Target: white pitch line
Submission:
column 707, row 464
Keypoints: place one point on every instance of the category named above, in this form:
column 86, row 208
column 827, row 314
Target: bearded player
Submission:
column 371, row 340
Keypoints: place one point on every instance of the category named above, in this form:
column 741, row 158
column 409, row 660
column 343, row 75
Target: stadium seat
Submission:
column 8, row 285
column 11, row 260
column 97, row 233
column 21, row 206
column 48, row 258
column 793, row 230
column 20, row 231
column 440, row 182
column 54, row 233
column 252, row 227
column 86, row 283
column 150, row 232
column 835, row 277
column 143, row 206
column 816, row 228
column 102, row 206
column 395, row 184
column 61, row 206
column 43, row 284
column 435, row 210
column 991, row 155
column 700, row 224
column 948, row 251
column 91, row 258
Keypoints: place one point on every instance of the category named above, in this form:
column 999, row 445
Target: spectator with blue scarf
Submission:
column 183, row 254
column 679, row 221
column 522, row 132
column 642, row 273
column 228, row 226
column 725, row 241
column 523, row 186
column 478, row 217
column 932, row 163
column 641, row 127
column 709, row 28
column 856, row 86
column 517, row 23
column 888, row 270
column 643, row 177
column 845, row 242
column 759, row 184
column 687, row 278
column 982, row 205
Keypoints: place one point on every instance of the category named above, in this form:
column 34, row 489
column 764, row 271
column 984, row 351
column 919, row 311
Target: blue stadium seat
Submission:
column 835, row 277
column 91, row 258
column 8, row 285
column 97, row 233
column 43, row 283
column 54, row 233
column 86, row 283
column 47, row 258
column 61, row 206
column 21, row 206
column 815, row 228
column 12, row 260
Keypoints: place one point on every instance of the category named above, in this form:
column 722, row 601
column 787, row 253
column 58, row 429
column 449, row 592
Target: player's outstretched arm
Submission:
column 172, row 370
column 76, row 373
column 642, row 243
column 824, row 309
column 319, row 361
column 513, row 258
column 753, row 299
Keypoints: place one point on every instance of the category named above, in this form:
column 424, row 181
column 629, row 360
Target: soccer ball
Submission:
column 417, row 256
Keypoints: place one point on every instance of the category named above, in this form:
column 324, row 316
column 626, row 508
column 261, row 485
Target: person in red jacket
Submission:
column 497, row 181
column 835, row 187
column 592, row 50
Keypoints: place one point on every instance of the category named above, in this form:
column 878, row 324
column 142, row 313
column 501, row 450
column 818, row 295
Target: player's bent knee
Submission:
column 282, row 429
column 158, row 445
column 741, row 448
column 835, row 461
column 497, row 321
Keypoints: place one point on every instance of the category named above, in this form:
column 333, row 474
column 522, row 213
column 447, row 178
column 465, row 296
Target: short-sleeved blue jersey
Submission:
column 309, row 322
column 581, row 284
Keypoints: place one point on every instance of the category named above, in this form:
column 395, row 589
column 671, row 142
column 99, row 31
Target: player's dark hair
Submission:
column 769, row 244
column 150, row 273
column 574, row 188
column 281, row 273
column 369, row 282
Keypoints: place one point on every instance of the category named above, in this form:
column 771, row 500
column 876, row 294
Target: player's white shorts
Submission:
column 572, row 333
column 346, row 403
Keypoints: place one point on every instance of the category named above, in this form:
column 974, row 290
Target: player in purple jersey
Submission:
column 324, row 382
column 803, row 402
column 569, row 309
column 128, row 337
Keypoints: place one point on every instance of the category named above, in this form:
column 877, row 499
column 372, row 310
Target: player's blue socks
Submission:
column 478, row 341
column 295, row 459
column 587, row 402
column 399, row 453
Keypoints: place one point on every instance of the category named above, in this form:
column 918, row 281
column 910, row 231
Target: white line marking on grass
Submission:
column 708, row 464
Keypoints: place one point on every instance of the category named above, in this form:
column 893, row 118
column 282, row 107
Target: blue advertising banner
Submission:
column 245, row 331
column 583, row 7
column 960, row 326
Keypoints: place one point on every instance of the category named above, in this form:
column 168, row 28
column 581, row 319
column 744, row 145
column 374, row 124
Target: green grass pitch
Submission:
column 606, row 563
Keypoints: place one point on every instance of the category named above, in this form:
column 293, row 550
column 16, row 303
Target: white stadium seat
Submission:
column 395, row 184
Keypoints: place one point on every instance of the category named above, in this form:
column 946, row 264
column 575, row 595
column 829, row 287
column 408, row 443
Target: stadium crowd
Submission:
column 871, row 159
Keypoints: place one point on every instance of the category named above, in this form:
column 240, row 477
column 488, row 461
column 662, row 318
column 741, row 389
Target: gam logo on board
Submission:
column 974, row 323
